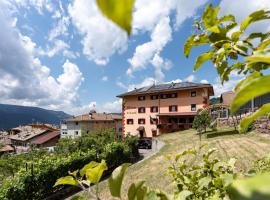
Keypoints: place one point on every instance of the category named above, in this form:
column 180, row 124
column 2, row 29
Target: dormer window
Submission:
column 141, row 98
column 193, row 94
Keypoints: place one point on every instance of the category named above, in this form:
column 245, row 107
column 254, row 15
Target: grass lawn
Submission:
column 245, row 148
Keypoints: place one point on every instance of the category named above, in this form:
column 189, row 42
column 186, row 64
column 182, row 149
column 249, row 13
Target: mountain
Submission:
column 12, row 116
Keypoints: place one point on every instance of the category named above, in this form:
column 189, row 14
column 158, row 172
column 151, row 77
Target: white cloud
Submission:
column 190, row 78
column 25, row 80
column 60, row 29
column 175, row 81
column 242, row 8
column 159, row 64
column 144, row 53
column 104, row 78
column 101, row 37
column 111, row 107
column 204, row 81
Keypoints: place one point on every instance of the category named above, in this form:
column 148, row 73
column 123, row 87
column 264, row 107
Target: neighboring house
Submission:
column 24, row 136
column 163, row 108
column 47, row 140
column 226, row 99
column 6, row 149
column 73, row 127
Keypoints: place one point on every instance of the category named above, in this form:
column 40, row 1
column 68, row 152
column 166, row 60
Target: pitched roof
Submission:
column 96, row 117
column 45, row 138
column 226, row 98
column 7, row 148
column 167, row 87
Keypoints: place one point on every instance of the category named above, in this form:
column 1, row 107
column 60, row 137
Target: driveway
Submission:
column 156, row 146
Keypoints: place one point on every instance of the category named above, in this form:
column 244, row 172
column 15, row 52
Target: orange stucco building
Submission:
column 150, row 111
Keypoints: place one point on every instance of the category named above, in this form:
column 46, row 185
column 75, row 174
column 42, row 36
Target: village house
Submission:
column 150, row 111
column 92, row 121
column 40, row 135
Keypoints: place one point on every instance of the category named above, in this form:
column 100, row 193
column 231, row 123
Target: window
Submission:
column 129, row 121
column 153, row 120
column 164, row 96
column 173, row 95
column 173, row 108
column 141, row 121
column 76, row 132
column 154, row 109
column 141, row 110
column 141, row 98
column 193, row 94
column 193, row 107
column 77, row 123
column 64, row 133
column 154, row 97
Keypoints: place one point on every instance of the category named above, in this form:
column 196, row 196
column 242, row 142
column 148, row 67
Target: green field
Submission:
column 245, row 148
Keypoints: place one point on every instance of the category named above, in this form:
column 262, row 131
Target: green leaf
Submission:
column 253, row 17
column 253, row 188
column 133, row 190
column 236, row 35
column 195, row 40
column 203, row 58
column 264, row 44
column 94, row 174
column 227, row 18
column 227, row 179
column 247, row 80
column 67, row 180
column 250, row 90
column 252, row 36
column 88, row 166
column 184, row 194
column 258, row 58
column 264, row 110
column 210, row 18
column 116, row 179
column 119, row 11
column 204, row 182
column 77, row 197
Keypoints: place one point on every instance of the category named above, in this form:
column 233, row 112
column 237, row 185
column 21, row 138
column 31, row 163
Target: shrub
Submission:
column 202, row 120
column 133, row 142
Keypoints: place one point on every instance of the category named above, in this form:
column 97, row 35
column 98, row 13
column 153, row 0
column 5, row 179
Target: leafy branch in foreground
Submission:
column 233, row 50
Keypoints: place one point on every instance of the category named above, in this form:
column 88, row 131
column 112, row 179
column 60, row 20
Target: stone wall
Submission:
column 262, row 124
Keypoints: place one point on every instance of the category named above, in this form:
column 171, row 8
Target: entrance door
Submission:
column 141, row 133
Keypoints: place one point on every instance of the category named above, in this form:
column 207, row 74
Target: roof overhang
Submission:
column 178, row 114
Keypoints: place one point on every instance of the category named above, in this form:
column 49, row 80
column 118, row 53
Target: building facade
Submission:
column 157, row 109
column 74, row 127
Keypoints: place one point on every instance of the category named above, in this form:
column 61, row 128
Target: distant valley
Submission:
column 14, row 115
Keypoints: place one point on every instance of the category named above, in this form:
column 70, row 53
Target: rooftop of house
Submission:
column 46, row 137
column 92, row 116
column 24, row 133
column 168, row 87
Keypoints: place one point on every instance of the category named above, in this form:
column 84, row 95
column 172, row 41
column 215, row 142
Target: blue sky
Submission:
column 65, row 55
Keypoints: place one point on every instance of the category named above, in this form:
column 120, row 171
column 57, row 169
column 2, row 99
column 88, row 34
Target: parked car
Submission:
column 145, row 143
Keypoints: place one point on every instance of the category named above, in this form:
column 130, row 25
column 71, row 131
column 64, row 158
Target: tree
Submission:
column 202, row 121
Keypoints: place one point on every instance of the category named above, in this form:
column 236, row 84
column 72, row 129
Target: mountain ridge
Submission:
column 14, row 115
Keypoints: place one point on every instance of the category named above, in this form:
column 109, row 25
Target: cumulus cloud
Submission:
column 232, row 7
column 144, row 53
column 204, row 81
column 190, row 78
column 101, row 37
column 25, row 80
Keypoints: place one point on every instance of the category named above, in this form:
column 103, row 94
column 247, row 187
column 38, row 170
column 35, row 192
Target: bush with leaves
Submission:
column 205, row 179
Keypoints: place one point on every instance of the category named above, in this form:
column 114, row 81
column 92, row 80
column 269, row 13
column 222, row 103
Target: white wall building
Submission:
column 89, row 122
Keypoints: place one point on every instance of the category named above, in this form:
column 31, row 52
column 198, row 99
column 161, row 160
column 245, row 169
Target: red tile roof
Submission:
column 6, row 148
column 45, row 138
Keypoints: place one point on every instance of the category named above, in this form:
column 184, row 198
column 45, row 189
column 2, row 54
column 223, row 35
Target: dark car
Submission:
column 145, row 143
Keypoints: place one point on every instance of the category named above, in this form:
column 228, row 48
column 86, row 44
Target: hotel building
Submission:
column 150, row 111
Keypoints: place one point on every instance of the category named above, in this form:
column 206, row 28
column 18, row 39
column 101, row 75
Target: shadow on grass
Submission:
column 213, row 134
